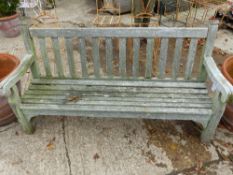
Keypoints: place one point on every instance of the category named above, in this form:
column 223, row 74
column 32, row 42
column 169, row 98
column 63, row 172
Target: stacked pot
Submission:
column 7, row 64
column 9, row 25
column 227, row 70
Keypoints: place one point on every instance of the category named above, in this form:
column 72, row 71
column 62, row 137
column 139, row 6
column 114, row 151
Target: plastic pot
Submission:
column 227, row 70
column 9, row 25
column 7, row 64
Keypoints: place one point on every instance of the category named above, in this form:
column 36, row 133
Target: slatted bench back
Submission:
column 68, row 53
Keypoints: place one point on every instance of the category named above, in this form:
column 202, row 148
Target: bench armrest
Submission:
column 16, row 75
column 220, row 83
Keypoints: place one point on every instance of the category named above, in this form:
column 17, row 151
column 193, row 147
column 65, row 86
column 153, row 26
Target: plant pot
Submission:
column 227, row 70
column 7, row 64
column 10, row 25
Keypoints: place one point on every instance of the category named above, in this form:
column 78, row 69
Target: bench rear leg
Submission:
column 218, row 110
column 14, row 101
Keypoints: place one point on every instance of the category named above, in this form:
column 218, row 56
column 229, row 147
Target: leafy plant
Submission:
column 8, row 7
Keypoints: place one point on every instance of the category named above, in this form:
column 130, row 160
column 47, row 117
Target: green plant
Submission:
column 8, row 7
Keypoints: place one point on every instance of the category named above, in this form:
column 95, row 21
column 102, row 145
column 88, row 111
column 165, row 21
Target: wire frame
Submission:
column 152, row 17
column 225, row 20
column 199, row 13
column 176, row 14
column 107, row 15
column 37, row 7
column 194, row 13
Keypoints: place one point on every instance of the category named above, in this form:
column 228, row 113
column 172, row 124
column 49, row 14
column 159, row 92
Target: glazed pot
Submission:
column 7, row 64
column 10, row 25
column 227, row 70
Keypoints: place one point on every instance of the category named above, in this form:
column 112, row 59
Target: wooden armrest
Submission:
column 220, row 83
column 16, row 75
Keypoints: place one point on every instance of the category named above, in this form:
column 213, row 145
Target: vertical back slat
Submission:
column 191, row 57
column 83, row 57
column 30, row 48
column 149, row 55
column 122, row 56
column 45, row 57
column 70, row 57
column 136, row 49
column 58, row 60
column 176, row 58
column 109, row 56
column 96, row 57
column 163, row 57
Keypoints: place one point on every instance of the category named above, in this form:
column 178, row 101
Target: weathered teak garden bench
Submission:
column 125, row 94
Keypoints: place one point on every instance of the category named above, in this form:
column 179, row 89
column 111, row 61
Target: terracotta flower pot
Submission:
column 9, row 25
column 7, row 64
column 227, row 70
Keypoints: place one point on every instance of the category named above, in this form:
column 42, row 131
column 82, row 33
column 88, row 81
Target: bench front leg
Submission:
column 14, row 101
column 218, row 109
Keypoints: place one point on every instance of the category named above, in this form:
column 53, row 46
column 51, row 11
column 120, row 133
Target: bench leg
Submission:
column 23, row 120
column 14, row 101
column 218, row 110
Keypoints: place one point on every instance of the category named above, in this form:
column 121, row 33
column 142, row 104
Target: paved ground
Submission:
column 86, row 146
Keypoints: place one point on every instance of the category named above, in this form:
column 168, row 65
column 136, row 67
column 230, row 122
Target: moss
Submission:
column 230, row 99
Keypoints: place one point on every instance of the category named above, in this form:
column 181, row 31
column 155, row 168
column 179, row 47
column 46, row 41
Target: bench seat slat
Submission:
column 51, row 94
column 119, row 89
column 130, row 109
column 90, row 101
column 130, row 83
column 114, row 97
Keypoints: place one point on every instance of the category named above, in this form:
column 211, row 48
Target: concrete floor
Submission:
column 87, row 146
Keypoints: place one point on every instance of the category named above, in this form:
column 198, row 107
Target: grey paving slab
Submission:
column 37, row 154
column 112, row 146
column 86, row 146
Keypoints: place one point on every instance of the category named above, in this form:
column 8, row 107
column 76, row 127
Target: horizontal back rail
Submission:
column 122, row 32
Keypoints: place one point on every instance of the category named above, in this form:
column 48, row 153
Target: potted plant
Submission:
column 227, row 70
column 8, row 63
column 9, row 18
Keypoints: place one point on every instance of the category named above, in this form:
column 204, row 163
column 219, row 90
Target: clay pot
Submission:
column 227, row 70
column 9, row 25
column 7, row 64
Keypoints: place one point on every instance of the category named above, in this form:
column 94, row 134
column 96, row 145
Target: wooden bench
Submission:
column 115, row 89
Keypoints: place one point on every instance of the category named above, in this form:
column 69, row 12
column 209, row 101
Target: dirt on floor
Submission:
column 172, row 137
